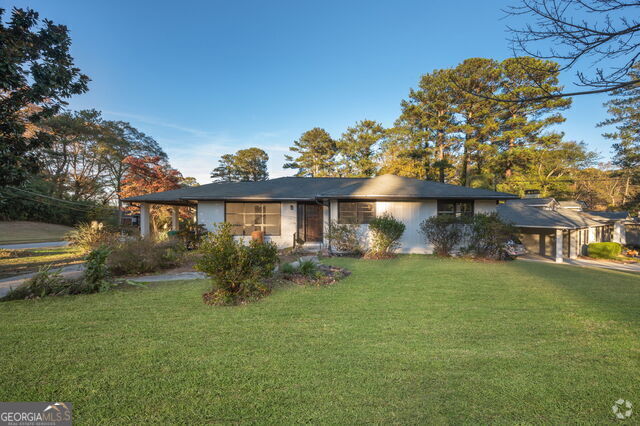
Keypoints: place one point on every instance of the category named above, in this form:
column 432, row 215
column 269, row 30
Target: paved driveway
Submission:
column 589, row 263
column 34, row 245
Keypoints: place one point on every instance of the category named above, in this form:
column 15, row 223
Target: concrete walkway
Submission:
column 587, row 263
column 34, row 245
column 168, row 277
column 76, row 271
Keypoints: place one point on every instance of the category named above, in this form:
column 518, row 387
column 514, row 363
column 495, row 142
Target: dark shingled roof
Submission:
column 531, row 217
column 306, row 188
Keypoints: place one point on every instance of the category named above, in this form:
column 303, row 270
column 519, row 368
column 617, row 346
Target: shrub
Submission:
column 43, row 283
column 143, row 255
column 96, row 273
column 264, row 257
column 288, row 269
column 386, row 232
column 443, row 232
column 235, row 270
column 90, row 236
column 308, row 268
column 345, row 237
column 604, row 250
column 488, row 234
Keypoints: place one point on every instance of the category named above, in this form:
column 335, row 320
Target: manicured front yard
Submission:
column 410, row 340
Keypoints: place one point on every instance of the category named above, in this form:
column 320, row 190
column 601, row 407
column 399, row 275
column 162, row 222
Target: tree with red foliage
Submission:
column 147, row 175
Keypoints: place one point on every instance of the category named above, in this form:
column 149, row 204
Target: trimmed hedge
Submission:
column 605, row 250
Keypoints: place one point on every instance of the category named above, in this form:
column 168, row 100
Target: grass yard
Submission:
column 18, row 232
column 411, row 340
column 24, row 261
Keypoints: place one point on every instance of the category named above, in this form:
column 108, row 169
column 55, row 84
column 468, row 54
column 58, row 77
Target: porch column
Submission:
column 175, row 224
column 573, row 244
column 619, row 233
column 558, row 245
column 145, row 230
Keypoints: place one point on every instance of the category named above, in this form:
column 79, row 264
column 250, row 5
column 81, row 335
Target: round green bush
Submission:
column 604, row 250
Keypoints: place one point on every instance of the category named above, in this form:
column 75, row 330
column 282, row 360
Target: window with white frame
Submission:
column 356, row 212
column 249, row 217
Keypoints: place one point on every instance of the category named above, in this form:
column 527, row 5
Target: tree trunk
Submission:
column 508, row 172
column 626, row 191
column 465, row 163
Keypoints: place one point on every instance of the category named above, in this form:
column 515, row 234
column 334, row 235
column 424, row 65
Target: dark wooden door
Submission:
column 313, row 222
column 309, row 222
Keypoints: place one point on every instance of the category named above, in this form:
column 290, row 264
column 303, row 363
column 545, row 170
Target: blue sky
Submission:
column 208, row 78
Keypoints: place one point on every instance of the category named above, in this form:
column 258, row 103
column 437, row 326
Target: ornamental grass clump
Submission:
column 237, row 272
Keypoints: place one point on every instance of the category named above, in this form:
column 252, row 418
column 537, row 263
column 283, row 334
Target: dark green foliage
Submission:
column 443, row 232
column 357, row 149
column 264, row 257
column 96, row 274
column 246, row 165
column 235, row 270
column 316, row 154
column 37, row 74
column 604, row 250
column 287, row 269
column 345, row 238
column 386, row 233
column 143, row 255
column 308, row 268
column 488, row 234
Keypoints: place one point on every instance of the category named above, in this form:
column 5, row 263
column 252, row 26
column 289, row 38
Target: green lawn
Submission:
column 18, row 232
column 16, row 262
column 410, row 340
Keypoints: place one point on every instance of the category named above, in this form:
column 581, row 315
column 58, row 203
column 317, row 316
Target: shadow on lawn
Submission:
column 615, row 292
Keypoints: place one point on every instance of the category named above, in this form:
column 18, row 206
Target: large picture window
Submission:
column 455, row 207
column 249, row 217
column 358, row 212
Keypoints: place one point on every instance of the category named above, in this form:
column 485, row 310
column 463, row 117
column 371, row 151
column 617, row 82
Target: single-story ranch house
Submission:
column 294, row 210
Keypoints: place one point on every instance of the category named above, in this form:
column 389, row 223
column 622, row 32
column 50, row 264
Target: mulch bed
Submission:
column 328, row 275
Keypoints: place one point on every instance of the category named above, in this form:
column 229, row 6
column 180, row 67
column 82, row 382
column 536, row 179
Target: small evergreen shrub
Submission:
column 604, row 250
column 235, row 270
column 487, row 235
column 96, row 274
column 264, row 257
column 345, row 237
column 443, row 232
column 386, row 232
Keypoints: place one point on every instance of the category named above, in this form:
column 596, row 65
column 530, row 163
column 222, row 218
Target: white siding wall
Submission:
column 484, row 206
column 210, row 212
column 411, row 213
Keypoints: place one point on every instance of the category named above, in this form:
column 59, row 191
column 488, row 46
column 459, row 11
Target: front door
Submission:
column 310, row 222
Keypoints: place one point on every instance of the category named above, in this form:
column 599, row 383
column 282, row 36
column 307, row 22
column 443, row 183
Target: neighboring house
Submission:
column 561, row 229
column 299, row 209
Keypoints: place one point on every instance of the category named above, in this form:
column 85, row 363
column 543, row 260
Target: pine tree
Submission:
column 429, row 113
column 625, row 116
column 357, row 148
column 316, row 154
